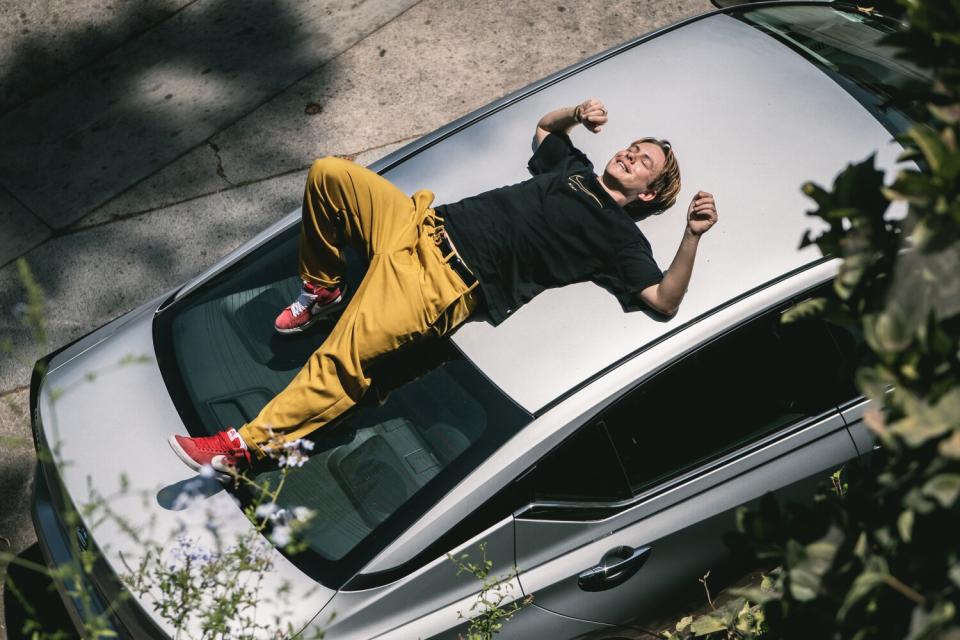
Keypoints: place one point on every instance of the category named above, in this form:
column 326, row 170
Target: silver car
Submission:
column 601, row 454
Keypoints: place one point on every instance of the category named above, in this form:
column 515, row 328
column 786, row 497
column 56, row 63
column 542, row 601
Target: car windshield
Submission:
column 845, row 44
column 430, row 418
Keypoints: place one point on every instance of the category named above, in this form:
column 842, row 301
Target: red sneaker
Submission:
column 314, row 303
column 224, row 451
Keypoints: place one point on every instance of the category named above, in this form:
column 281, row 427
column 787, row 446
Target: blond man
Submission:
column 432, row 268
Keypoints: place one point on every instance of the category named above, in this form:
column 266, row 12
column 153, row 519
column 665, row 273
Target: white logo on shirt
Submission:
column 576, row 183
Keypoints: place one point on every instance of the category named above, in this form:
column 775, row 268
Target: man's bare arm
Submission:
column 667, row 295
column 590, row 113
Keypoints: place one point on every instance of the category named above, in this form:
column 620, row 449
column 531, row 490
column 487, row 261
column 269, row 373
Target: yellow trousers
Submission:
column 409, row 291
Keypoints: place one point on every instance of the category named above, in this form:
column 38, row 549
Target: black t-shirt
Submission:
column 557, row 228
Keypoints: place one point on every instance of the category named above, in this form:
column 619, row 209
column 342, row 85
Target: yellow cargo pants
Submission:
column 409, row 291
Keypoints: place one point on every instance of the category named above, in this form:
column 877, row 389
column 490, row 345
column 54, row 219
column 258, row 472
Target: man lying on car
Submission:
column 431, row 268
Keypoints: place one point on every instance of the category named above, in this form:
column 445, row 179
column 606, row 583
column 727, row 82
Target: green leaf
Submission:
column 950, row 448
column 905, row 525
column 811, row 563
column 930, row 144
column 873, row 576
column 804, row 585
column 931, row 623
column 749, row 618
column 915, row 501
column 873, row 382
column 804, row 309
column 923, row 422
column 909, row 153
column 913, row 187
column 954, row 573
column 887, row 332
column 924, row 233
column 707, row 624
column 948, row 114
column 861, row 547
column 767, row 584
column 754, row 594
column 943, row 488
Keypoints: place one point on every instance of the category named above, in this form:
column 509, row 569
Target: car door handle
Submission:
column 616, row 567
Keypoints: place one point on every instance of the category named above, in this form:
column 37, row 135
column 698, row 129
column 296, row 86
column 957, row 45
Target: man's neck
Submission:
column 617, row 195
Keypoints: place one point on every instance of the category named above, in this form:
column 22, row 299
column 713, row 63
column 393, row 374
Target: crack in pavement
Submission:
column 220, row 172
column 240, row 117
column 8, row 392
column 24, row 206
column 78, row 227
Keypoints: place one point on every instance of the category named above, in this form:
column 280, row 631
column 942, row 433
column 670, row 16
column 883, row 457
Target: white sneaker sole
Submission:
column 177, row 449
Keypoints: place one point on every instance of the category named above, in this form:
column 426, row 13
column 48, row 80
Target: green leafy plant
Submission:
column 878, row 554
column 491, row 610
column 207, row 589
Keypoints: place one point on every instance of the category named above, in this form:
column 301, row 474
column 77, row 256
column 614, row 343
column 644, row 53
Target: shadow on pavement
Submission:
column 116, row 122
column 120, row 119
column 53, row 52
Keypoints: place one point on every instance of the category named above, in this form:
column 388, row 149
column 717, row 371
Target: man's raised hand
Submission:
column 591, row 114
column 702, row 213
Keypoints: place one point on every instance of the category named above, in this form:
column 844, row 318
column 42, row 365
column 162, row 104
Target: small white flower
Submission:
column 281, row 535
column 266, row 509
column 292, row 459
column 206, row 471
column 298, row 445
column 302, row 513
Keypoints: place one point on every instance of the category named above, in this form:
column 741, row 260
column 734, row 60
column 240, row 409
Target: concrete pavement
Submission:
column 141, row 141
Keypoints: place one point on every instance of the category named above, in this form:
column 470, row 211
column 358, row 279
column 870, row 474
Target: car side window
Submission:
column 584, row 468
column 755, row 380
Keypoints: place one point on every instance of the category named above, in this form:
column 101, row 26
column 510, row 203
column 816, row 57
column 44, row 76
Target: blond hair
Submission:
column 666, row 185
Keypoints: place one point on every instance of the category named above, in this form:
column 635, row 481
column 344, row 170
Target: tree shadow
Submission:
column 115, row 122
column 147, row 103
column 46, row 54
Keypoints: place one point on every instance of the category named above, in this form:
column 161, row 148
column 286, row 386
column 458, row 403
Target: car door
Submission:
column 632, row 510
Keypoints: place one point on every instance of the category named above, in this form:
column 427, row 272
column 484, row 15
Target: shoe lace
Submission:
column 303, row 302
column 229, row 448
column 298, row 307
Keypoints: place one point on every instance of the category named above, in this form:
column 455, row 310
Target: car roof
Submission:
column 749, row 119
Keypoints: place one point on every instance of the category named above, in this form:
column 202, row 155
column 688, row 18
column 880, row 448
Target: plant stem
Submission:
column 905, row 590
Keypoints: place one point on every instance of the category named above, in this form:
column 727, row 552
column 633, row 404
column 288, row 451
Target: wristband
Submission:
column 577, row 114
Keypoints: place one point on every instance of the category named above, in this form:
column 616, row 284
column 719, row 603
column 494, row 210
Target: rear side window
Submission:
column 585, row 468
column 760, row 378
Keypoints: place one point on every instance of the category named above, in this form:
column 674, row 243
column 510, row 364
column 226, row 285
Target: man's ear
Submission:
column 647, row 196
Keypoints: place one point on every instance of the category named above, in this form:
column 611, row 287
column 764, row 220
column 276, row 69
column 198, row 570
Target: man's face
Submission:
column 634, row 168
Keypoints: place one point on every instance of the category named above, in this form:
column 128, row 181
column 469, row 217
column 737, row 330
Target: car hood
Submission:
column 104, row 412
